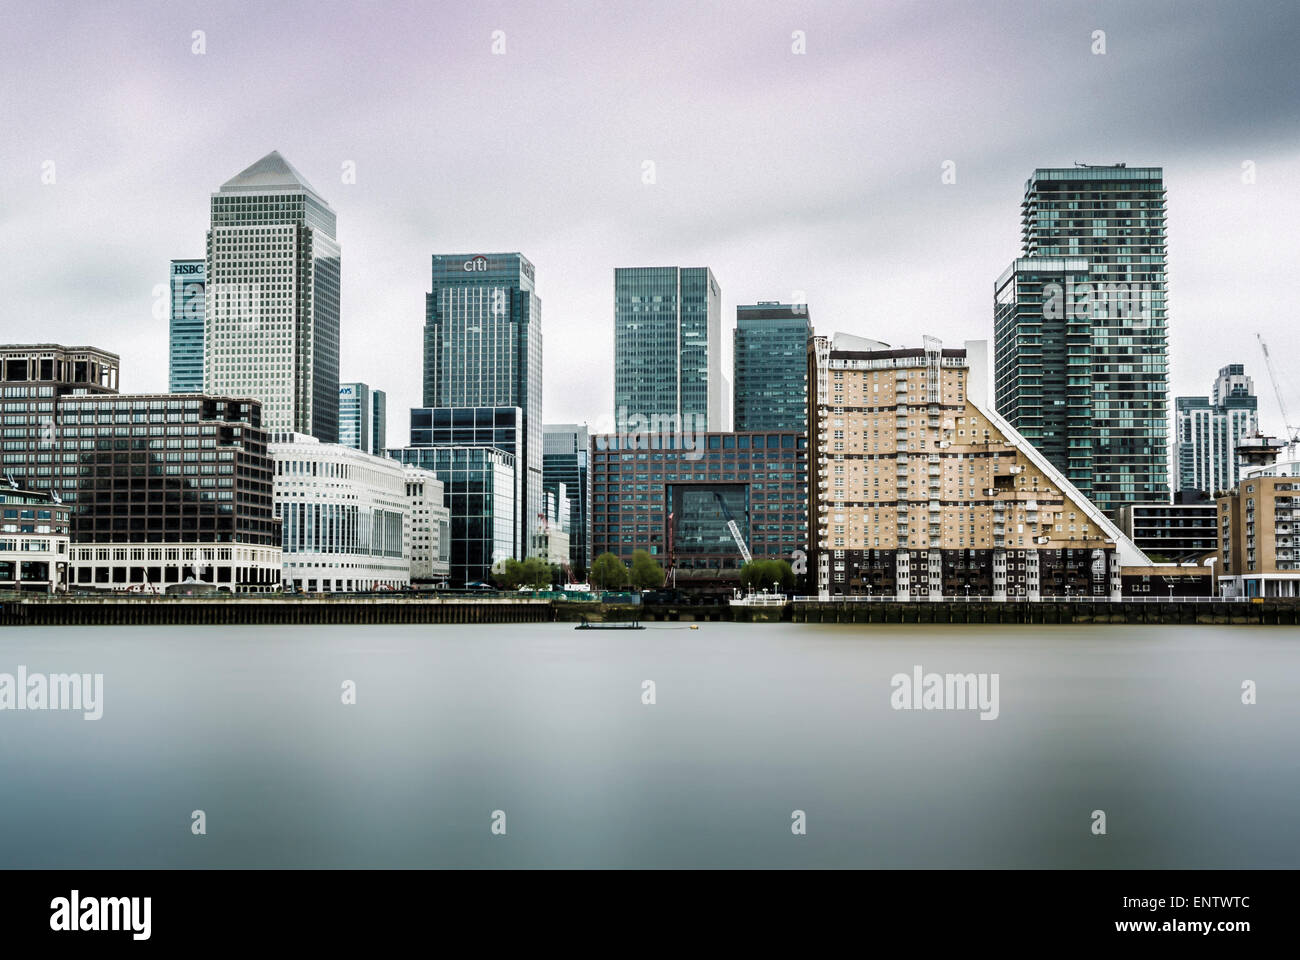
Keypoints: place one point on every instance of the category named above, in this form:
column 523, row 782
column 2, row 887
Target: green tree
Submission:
column 508, row 574
column 647, row 574
column 762, row 574
column 608, row 572
column 535, row 573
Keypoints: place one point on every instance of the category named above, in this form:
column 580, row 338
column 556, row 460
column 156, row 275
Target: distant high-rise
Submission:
column 566, row 456
column 378, row 423
column 1208, row 432
column 363, row 418
column 272, row 299
column 770, row 361
column 483, row 348
column 1080, row 330
column 185, row 355
column 668, row 345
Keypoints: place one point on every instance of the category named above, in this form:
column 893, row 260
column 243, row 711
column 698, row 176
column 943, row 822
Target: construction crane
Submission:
column 734, row 528
column 1292, row 435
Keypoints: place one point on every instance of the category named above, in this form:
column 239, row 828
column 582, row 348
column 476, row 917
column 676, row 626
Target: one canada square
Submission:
column 272, row 300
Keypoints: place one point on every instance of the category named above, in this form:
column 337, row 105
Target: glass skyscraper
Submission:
column 1209, row 430
column 379, row 423
column 271, row 328
column 1080, row 330
column 770, row 362
column 483, row 348
column 363, row 419
column 668, row 345
column 185, row 354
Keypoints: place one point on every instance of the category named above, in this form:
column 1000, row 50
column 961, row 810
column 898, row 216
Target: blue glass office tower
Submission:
column 483, row 348
column 185, row 354
column 363, row 420
column 668, row 345
column 770, row 363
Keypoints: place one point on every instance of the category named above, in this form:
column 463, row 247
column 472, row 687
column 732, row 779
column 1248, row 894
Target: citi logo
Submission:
column 102, row 914
column 478, row 263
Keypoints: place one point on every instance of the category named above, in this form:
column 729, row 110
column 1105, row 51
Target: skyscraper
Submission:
column 1080, row 330
column 363, row 420
column 1208, row 432
column 272, row 300
column 668, row 345
column 378, row 423
column 770, row 361
column 483, row 348
column 185, row 355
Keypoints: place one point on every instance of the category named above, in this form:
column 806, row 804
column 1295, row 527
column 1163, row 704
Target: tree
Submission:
column 608, row 572
column 536, row 573
column 647, row 574
column 762, row 574
column 508, row 574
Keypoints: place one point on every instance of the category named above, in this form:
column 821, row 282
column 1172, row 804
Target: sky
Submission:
column 527, row 126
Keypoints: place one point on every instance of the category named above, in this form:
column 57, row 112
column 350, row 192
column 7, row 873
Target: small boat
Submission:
column 617, row 625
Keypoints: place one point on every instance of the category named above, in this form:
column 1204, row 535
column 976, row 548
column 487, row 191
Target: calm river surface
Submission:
column 749, row 723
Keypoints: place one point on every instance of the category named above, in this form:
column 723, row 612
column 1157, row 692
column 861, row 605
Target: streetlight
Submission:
column 968, row 591
column 1171, row 591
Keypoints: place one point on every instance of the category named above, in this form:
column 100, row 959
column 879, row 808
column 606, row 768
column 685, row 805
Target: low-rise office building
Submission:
column 550, row 539
column 479, row 490
column 429, row 541
column 33, row 541
column 166, row 488
column 1174, row 532
column 676, row 497
column 345, row 517
column 566, row 459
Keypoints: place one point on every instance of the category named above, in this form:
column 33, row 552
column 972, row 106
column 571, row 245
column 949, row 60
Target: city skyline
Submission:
column 786, row 210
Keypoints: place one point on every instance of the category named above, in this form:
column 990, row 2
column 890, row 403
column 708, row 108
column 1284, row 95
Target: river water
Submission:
column 749, row 723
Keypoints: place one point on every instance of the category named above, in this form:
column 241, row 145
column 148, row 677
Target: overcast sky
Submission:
column 819, row 172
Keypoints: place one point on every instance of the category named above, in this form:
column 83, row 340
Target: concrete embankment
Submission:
column 144, row 611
